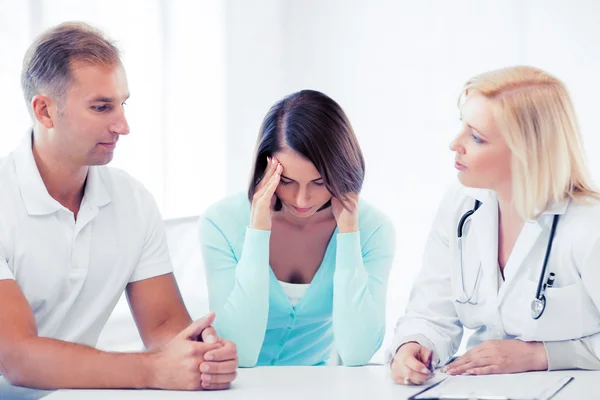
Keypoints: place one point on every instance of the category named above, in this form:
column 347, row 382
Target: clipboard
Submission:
column 462, row 388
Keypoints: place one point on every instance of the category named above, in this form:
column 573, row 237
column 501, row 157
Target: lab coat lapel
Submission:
column 485, row 234
column 527, row 238
column 514, row 266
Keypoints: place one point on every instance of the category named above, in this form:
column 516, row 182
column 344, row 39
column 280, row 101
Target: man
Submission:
column 74, row 234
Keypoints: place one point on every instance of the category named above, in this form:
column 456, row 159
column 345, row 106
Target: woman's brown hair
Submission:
column 315, row 126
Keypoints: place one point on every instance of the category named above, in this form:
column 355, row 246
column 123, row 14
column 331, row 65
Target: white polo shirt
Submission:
column 73, row 272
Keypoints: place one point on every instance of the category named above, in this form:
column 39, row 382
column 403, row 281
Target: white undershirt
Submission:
column 294, row 291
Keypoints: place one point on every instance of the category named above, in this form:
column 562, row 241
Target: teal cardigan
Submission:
column 343, row 306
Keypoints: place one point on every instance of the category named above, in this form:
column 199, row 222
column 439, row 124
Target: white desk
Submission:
column 265, row 383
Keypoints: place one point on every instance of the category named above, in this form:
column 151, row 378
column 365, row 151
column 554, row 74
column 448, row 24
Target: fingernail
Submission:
column 205, row 377
column 210, row 339
column 444, row 370
column 204, row 368
column 426, row 370
column 208, row 357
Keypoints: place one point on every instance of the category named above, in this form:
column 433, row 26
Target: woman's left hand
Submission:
column 500, row 357
column 346, row 214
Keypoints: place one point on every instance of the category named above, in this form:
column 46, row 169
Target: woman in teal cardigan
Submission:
column 300, row 265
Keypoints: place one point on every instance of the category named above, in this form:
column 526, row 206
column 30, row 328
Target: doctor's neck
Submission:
column 506, row 207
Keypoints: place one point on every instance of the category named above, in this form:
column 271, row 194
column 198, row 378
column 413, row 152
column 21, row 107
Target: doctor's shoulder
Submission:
column 459, row 199
column 582, row 219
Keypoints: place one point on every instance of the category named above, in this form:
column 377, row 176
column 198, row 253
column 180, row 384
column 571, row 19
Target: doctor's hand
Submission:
column 346, row 213
column 264, row 196
column 411, row 364
column 500, row 357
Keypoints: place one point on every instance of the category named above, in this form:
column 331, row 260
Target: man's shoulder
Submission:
column 9, row 186
column 120, row 185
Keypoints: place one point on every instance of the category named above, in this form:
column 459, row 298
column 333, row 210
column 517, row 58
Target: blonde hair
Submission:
column 534, row 113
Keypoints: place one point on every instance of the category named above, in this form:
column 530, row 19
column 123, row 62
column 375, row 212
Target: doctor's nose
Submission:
column 456, row 146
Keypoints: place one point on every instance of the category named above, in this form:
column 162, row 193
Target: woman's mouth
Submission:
column 302, row 210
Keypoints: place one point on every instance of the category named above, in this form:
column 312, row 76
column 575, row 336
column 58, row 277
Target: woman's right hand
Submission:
column 264, row 196
column 411, row 364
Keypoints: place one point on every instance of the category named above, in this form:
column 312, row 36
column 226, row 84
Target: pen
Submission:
column 430, row 362
column 550, row 281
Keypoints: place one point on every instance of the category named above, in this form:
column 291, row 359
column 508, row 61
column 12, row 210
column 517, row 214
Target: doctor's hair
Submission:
column 47, row 65
column 314, row 126
column 535, row 115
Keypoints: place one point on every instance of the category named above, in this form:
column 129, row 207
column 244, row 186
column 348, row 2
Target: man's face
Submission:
column 91, row 117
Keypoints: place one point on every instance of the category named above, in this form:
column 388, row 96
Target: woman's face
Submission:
column 483, row 158
column 301, row 188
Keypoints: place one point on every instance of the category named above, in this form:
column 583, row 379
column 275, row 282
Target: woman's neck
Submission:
column 319, row 217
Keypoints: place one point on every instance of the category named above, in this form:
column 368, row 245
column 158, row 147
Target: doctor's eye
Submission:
column 476, row 138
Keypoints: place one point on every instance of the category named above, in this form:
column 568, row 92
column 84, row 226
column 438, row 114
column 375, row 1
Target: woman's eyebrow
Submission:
column 290, row 179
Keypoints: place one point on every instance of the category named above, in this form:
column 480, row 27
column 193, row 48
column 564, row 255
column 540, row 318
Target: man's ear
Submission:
column 41, row 106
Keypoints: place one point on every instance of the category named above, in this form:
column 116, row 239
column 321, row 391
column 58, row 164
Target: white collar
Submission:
column 488, row 194
column 35, row 196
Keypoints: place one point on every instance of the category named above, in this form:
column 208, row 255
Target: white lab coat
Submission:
column 433, row 317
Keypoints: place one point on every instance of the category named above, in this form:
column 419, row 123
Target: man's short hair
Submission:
column 47, row 63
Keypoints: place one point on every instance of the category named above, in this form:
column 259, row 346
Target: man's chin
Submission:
column 98, row 161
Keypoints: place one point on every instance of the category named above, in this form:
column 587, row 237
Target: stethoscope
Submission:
column 538, row 305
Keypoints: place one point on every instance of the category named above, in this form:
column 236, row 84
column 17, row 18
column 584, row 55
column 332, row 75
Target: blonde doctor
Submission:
column 514, row 251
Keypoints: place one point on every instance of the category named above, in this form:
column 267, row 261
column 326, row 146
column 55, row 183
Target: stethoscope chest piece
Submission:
column 538, row 306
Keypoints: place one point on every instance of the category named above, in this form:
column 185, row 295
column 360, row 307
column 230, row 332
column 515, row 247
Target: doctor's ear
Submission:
column 42, row 107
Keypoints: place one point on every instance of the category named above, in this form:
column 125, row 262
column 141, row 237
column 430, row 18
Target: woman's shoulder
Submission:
column 231, row 211
column 372, row 218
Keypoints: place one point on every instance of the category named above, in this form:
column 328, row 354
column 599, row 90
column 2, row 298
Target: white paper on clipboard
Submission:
column 526, row 386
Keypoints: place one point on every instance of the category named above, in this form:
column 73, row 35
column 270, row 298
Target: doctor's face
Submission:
column 90, row 119
column 483, row 159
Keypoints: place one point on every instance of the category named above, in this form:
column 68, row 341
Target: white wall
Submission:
column 174, row 55
column 204, row 73
column 397, row 68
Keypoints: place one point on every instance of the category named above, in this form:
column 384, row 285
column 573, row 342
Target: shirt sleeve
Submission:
column 573, row 354
column 154, row 259
column 430, row 317
column 359, row 293
column 581, row 353
column 238, row 290
column 5, row 272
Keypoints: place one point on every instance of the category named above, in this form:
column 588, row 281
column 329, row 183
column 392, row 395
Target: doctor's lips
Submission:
column 459, row 166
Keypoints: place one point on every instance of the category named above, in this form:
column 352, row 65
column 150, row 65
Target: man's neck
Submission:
column 64, row 181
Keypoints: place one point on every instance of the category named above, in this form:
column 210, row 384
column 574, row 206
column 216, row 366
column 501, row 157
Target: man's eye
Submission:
column 99, row 108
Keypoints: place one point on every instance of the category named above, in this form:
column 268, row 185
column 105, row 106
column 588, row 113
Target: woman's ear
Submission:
column 278, row 204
